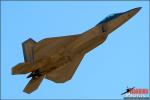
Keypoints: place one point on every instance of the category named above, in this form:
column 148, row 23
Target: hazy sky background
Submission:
column 104, row 73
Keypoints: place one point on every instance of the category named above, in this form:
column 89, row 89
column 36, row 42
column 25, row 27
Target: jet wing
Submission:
column 49, row 46
column 64, row 72
column 35, row 52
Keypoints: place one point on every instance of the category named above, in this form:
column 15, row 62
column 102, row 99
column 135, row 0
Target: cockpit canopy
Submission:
column 110, row 17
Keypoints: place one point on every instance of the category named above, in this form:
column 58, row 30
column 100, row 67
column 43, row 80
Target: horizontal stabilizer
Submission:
column 21, row 68
column 24, row 68
column 33, row 84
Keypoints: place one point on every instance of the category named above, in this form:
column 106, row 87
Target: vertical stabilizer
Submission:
column 33, row 84
column 28, row 50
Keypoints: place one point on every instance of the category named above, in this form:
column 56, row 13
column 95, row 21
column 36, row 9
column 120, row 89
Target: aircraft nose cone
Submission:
column 120, row 18
column 132, row 12
column 137, row 9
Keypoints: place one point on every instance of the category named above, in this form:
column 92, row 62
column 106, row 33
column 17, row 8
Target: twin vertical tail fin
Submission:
column 28, row 50
column 33, row 84
column 28, row 66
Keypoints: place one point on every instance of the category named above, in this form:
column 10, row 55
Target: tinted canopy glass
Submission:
column 110, row 17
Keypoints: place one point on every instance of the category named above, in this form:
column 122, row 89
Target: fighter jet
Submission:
column 127, row 90
column 57, row 58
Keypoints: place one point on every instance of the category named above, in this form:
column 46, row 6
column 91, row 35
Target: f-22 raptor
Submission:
column 57, row 58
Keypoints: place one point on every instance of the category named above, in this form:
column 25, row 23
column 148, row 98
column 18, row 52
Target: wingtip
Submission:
column 26, row 91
